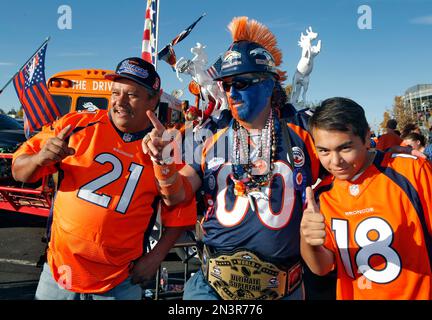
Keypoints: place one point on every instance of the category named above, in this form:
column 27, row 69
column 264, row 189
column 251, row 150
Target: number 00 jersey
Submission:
column 379, row 228
column 103, row 205
column 270, row 226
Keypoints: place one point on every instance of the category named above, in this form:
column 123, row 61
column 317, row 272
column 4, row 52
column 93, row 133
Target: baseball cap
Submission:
column 139, row 71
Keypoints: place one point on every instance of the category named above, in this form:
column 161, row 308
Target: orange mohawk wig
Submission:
column 251, row 30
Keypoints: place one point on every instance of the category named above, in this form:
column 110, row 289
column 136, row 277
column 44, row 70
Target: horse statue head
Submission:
column 306, row 40
column 305, row 65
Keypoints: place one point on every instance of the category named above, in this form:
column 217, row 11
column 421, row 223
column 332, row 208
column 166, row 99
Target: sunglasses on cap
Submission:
column 241, row 83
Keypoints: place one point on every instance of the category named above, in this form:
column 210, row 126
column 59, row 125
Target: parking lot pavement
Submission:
column 20, row 250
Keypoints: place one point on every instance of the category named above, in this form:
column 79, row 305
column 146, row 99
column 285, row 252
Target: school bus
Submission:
column 84, row 89
column 87, row 89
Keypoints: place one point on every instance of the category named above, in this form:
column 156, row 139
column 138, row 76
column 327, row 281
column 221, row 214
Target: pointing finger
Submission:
column 155, row 121
column 63, row 134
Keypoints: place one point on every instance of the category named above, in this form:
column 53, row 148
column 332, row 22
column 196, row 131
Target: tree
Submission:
column 387, row 117
column 20, row 113
column 2, row 111
column 288, row 90
column 402, row 115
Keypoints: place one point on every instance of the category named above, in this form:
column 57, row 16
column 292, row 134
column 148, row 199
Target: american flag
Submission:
column 149, row 38
column 186, row 31
column 214, row 70
column 30, row 86
column 167, row 53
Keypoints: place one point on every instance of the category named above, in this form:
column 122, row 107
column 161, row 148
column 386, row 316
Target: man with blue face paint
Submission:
column 249, row 103
column 252, row 174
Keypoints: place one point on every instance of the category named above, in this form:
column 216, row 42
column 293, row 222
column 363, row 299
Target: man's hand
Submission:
column 152, row 143
column 144, row 269
column 55, row 149
column 158, row 139
column 312, row 227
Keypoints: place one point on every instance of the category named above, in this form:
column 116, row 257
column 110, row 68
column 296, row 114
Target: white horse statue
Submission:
column 305, row 65
column 197, row 69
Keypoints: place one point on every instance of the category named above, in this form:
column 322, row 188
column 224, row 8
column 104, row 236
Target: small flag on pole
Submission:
column 149, row 42
column 167, row 53
column 30, row 86
column 186, row 31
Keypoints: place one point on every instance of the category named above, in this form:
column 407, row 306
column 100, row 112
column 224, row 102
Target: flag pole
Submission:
column 157, row 34
column 31, row 57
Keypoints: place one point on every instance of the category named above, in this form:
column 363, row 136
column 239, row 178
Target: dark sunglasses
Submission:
column 241, row 83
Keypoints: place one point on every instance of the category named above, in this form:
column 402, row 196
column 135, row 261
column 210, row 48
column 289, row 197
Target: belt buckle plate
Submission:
column 243, row 276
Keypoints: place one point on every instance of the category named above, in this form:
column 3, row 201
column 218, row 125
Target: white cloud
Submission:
column 422, row 20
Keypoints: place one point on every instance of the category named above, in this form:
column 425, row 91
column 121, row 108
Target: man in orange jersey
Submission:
column 373, row 219
column 390, row 138
column 106, row 194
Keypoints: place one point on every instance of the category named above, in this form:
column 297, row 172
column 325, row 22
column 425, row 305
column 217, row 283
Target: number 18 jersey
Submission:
column 379, row 228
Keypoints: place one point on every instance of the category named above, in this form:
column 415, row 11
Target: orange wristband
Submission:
column 173, row 188
column 164, row 171
column 180, row 182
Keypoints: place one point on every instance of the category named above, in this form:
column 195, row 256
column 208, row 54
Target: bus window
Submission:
column 85, row 88
column 63, row 103
column 91, row 103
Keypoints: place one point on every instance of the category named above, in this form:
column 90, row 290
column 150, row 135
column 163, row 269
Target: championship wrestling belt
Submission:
column 242, row 275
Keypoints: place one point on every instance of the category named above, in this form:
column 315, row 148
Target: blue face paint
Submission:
column 251, row 101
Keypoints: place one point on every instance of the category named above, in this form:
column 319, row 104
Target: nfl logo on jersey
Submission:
column 127, row 137
column 354, row 189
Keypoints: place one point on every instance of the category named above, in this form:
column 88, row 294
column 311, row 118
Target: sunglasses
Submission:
column 241, row 83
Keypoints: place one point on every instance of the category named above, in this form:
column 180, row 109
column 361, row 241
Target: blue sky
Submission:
column 369, row 66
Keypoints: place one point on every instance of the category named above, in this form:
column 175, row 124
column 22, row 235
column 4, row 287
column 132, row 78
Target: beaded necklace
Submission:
column 249, row 177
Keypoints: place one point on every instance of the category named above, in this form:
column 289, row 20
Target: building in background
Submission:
column 418, row 99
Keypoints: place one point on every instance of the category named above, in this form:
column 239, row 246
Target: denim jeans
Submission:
column 197, row 288
column 48, row 289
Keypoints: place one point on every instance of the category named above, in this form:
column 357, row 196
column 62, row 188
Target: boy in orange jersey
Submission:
column 106, row 194
column 372, row 219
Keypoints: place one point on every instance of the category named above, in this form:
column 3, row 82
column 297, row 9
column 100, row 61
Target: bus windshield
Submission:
column 85, row 89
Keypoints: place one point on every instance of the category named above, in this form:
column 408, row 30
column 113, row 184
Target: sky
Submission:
column 370, row 65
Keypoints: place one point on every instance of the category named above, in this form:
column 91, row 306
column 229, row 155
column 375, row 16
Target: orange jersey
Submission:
column 388, row 140
column 379, row 228
column 103, row 205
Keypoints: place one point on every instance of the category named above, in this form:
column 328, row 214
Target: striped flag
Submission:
column 214, row 70
column 186, row 31
column 149, row 42
column 30, row 86
column 167, row 53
